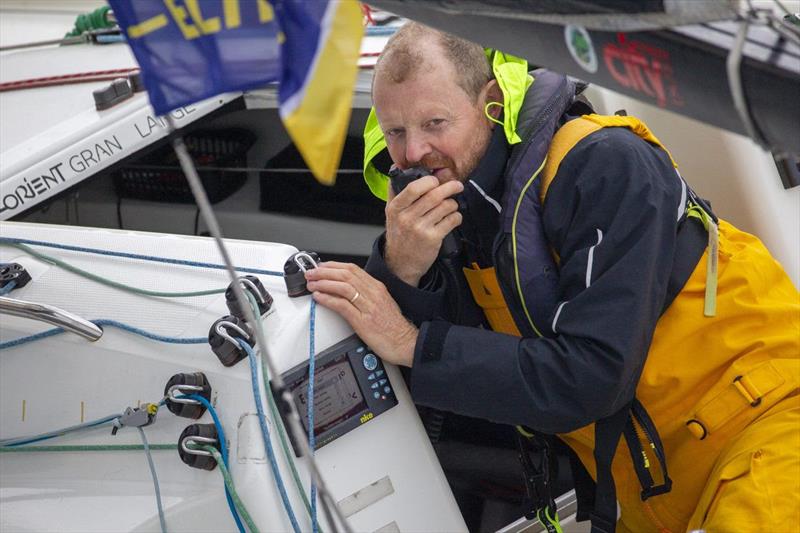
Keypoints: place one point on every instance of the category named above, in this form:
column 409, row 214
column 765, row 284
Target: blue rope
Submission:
column 6, row 240
column 21, row 441
column 262, row 421
column 162, row 520
column 312, row 439
column 223, row 450
column 101, row 323
column 8, row 288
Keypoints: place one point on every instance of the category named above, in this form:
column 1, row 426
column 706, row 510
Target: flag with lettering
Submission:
column 190, row 50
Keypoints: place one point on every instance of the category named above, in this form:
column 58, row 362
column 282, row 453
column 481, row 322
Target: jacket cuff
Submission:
column 428, row 360
column 430, row 342
column 418, row 304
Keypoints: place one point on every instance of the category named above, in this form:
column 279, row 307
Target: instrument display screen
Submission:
column 351, row 388
column 337, row 395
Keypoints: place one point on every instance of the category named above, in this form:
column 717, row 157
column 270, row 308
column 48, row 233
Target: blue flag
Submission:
column 190, row 50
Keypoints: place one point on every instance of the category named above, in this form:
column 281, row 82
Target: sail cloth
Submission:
column 190, row 50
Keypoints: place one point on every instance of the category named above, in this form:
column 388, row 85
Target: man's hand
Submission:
column 417, row 220
column 367, row 306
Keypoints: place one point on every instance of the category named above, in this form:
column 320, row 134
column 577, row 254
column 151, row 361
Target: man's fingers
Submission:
column 438, row 213
column 346, row 273
column 413, row 192
column 330, row 270
column 434, row 198
column 449, row 223
column 349, row 272
column 339, row 305
column 444, row 191
column 335, row 288
column 339, row 265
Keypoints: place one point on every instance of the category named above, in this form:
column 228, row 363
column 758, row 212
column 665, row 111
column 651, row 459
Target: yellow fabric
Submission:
column 318, row 125
column 487, row 294
column 374, row 143
column 690, row 375
column 514, row 81
column 755, row 483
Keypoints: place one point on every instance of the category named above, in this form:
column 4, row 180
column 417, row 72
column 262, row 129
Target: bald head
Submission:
column 408, row 53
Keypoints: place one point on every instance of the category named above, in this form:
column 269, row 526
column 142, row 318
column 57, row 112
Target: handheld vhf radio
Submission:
column 401, row 178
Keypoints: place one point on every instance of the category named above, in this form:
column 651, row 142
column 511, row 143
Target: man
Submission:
column 620, row 305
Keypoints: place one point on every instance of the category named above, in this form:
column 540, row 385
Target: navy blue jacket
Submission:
column 610, row 216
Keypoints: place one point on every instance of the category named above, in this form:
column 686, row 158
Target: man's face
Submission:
column 430, row 121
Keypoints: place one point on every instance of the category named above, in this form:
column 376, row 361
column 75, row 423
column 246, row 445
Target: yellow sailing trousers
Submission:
column 755, row 484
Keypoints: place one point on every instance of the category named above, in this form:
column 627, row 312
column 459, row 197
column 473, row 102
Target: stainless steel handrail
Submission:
column 52, row 315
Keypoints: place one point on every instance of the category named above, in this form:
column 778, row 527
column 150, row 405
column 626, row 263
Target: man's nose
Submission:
column 417, row 147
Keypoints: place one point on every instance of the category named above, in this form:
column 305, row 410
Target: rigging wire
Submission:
column 92, row 76
column 67, row 79
column 237, row 501
column 312, row 440
column 273, row 408
column 262, row 422
column 20, row 441
column 106, row 322
column 109, row 282
column 329, row 504
column 127, row 255
column 85, row 448
column 224, row 449
column 152, row 466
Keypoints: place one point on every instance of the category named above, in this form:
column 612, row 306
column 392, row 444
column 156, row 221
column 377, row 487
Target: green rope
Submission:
column 229, row 483
column 86, row 448
column 94, row 20
column 273, row 409
column 105, row 281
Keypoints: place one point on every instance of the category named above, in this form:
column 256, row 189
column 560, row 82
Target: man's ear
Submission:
column 493, row 94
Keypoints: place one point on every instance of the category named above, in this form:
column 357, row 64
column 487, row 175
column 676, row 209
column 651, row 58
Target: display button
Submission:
column 382, row 382
column 371, row 376
column 360, row 349
column 378, row 373
column 376, row 395
column 387, row 390
column 375, row 385
column 370, row 362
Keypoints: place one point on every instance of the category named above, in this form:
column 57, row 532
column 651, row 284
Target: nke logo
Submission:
column 367, row 417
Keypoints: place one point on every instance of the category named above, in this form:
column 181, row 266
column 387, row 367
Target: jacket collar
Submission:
column 488, row 175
